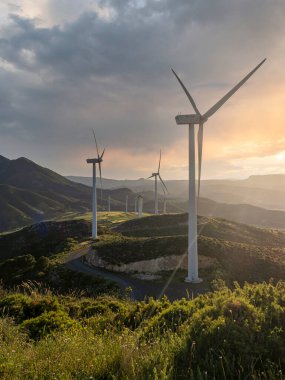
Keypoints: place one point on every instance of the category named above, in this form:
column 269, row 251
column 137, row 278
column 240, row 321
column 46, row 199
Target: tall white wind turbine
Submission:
column 191, row 120
column 157, row 175
column 95, row 161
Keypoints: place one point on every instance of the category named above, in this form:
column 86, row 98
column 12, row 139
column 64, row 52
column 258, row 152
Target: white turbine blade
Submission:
column 100, row 171
column 219, row 104
column 200, row 150
column 102, row 154
column 162, row 189
column 150, row 177
column 159, row 162
column 187, row 93
column 96, row 143
column 163, row 182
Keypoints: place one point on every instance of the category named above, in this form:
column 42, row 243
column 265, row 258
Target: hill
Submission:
column 30, row 193
column 228, row 250
column 260, row 190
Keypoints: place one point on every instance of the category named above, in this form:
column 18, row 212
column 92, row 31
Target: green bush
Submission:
column 47, row 323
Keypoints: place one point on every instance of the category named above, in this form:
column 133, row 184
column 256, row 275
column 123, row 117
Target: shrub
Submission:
column 47, row 323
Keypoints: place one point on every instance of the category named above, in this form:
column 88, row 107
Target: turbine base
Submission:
column 193, row 281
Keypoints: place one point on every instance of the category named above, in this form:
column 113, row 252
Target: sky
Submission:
column 67, row 66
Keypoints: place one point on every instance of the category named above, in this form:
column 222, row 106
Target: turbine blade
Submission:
column 187, row 93
column 150, row 177
column 219, row 104
column 96, row 143
column 102, row 154
column 162, row 189
column 163, row 182
column 159, row 162
column 100, row 171
column 200, row 150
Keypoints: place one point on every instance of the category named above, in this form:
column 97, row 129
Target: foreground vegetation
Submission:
column 226, row 334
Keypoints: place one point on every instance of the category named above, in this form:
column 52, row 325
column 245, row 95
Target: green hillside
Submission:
column 176, row 224
column 226, row 334
column 66, row 325
column 30, row 193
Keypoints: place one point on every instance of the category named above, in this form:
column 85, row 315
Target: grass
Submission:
column 85, row 329
column 109, row 219
column 226, row 334
column 233, row 261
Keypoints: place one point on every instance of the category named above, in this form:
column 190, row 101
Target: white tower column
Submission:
column 192, row 217
column 155, row 197
column 164, row 206
column 94, row 204
column 140, row 207
column 127, row 198
column 109, row 203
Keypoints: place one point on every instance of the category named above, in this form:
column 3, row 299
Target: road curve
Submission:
column 74, row 262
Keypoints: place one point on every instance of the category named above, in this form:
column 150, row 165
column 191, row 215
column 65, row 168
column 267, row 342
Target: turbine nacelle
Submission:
column 190, row 119
column 154, row 174
column 94, row 160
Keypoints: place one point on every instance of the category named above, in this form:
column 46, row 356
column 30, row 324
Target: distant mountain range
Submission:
column 30, row 193
column 267, row 191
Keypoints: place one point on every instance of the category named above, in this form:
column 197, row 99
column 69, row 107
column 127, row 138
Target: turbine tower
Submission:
column 140, row 205
column 95, row 161
column 127, row 198
column 155, row 175
column 109, row 203
column 191, row 120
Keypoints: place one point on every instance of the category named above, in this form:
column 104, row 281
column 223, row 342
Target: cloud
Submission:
column 107, row 65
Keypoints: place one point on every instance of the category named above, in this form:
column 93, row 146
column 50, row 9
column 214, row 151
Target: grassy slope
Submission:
column 243, row 253
column 226, row 334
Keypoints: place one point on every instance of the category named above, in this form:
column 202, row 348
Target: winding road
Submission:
column 140, row 289
column 74, row 262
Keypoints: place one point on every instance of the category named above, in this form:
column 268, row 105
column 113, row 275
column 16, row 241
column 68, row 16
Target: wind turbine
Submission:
column 127, row 198
column 95, row 161
column 155, row 175
column 140, row 205
column 191, row 120
column 109, row 203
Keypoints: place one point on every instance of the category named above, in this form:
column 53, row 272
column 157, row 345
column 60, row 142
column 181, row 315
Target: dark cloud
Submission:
column 114, row 73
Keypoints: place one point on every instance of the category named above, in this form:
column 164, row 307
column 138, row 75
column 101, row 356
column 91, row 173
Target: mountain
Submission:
column 265, row 191
column 243, row 213
column 30, row 193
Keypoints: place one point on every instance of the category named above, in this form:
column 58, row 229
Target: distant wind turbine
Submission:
column 127, row 198
column 140, row 205
column 155, row 175
column 109, row 203
column 191, row 120
column 95, row 161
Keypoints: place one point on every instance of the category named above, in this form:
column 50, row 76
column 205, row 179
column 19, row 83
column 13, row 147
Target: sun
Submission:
column 280, row 156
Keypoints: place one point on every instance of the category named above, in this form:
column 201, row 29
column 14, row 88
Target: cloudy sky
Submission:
column 67, row 66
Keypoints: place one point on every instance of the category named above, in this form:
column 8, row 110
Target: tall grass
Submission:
column 227, row 334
